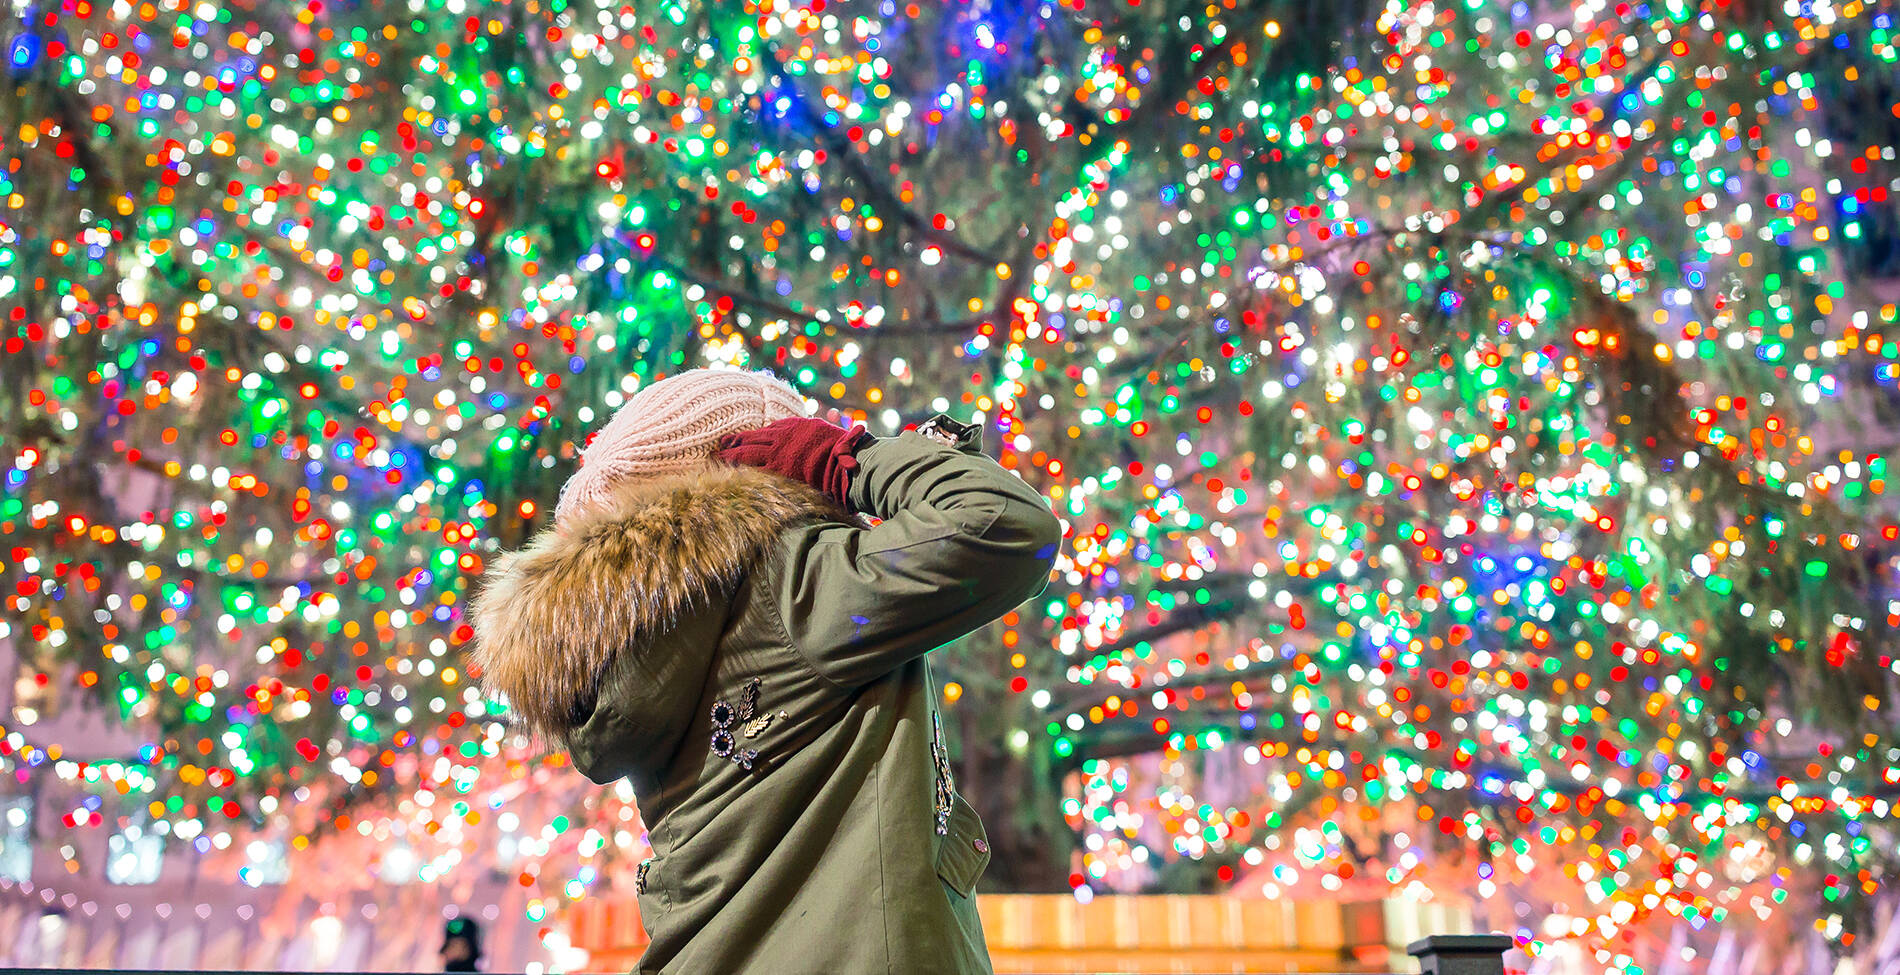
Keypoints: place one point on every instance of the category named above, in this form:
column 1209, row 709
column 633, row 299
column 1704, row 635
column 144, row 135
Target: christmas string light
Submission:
column 1467, row 417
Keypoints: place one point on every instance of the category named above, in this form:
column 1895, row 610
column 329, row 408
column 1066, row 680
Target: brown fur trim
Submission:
column 551, row 616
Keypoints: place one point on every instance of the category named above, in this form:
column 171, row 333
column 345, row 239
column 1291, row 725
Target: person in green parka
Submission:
column 733, row 610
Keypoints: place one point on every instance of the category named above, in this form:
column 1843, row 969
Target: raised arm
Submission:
column 962, row 541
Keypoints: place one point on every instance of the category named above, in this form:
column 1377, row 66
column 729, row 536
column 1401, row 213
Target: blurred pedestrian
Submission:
column 461, row 946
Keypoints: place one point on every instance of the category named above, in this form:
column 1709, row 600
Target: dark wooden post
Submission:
column 1460, row 954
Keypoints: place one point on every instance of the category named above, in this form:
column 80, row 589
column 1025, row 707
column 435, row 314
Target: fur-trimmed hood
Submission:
column 551, row 617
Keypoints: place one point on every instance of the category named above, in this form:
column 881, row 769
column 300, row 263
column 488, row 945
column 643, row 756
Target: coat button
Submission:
column 981, row 846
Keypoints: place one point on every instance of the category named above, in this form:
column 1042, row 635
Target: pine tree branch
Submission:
column 879, row 193
column 104, row 510
column 740, row 296
column 998, row 310
column 1119, row 737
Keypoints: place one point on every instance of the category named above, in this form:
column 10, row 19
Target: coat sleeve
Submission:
column 961, row 542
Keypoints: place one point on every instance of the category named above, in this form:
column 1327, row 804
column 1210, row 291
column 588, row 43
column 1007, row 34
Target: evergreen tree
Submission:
column 1468, row 417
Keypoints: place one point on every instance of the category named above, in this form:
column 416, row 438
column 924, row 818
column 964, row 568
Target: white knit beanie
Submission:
column 673, row 426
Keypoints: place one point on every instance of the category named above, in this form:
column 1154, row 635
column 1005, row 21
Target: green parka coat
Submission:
column 752, row 658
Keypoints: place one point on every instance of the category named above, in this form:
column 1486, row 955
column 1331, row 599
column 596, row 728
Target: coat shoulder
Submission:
column 550, row 617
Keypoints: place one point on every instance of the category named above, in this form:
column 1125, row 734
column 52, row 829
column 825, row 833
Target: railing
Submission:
column 1444, row 954
column 1460, row 954
column 1159, row 934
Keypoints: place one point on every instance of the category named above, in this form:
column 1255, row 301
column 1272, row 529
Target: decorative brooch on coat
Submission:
column 730, row 723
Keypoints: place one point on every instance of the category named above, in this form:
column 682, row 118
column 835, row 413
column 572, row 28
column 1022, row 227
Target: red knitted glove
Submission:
column 802, row 448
